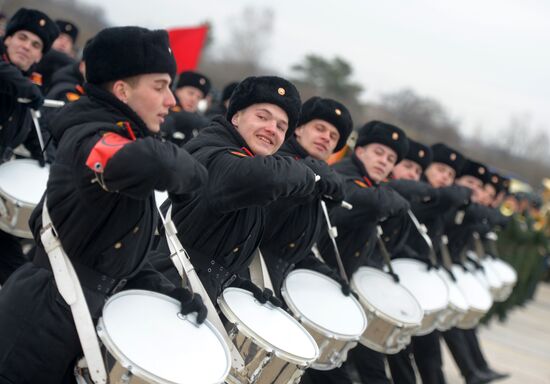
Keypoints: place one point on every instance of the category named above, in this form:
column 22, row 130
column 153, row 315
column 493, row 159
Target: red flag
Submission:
column 187, row 45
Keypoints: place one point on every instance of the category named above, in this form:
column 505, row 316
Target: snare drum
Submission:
column 22, row 184
column 335, row 321
column 487, row 276
column 508, row 275
column 427, row 287
column 393, row 313
column 152, row 342
column 458, row 305
column 275, row 347
column 478, row 297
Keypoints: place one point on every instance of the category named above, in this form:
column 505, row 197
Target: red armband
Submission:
column 104, row 150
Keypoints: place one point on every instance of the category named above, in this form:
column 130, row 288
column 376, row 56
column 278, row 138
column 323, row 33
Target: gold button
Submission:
column 292, row 245
column 236, row 250
column 395, row 135
column 338, row 112
column 118, row 245
column 281, row 91
column 136, row 229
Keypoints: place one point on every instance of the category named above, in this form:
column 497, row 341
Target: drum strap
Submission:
column 181, row 260
column 385, row 253
column 70, row 289
column 445, row 254
column 423, row 231
column 258, row 271
column 478, row 246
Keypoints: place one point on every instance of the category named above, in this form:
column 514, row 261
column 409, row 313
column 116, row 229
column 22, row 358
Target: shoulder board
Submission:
column 106, row 147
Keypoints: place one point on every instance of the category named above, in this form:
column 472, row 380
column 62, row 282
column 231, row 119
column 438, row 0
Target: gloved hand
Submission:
column 414, row 190
column 263, row 296
column 326, row 270
column 41, row 161
column 190, row 302
column 29, row 90
column 330, row 184
column 458, row 196
column 393, row 204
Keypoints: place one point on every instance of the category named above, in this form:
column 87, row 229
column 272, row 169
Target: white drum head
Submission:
column 505, row 271
column 477, row 296
column 160, row 197
column 426, row 285
column 390, row 298
column 493, row 278
column 144, row 329
column 319, row 300
column 24, row 180
column 270, row 325
column 456, row 297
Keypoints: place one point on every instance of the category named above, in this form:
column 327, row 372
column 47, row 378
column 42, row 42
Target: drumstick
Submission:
column 35, row 115
column 421, row 228
column 385, row 252
column 332, row 234
column 47, row 103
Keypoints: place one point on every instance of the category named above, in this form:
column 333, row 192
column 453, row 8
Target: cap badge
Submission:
column 68, row 27
column 481, row 170
column 170, row 50
column 202, row 81
column 338, row 111
column 453, row 156
column 281, row 91
column 421, row 153
column 42, row 22
column 494, row 179
column 395, row 136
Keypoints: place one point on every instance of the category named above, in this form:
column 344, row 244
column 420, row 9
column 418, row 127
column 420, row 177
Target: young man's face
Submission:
column 475, row 185
column 149, row 96
column 24, row 49
column 64, row 43
column 408, row 170
column 318, row 138
column 378, row 160
column 489, row 194
column 189, row 98
column 263, row 127
column 440, row 175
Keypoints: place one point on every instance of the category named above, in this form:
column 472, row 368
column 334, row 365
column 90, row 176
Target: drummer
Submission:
column 478, row 217
column 29, row 35
column 292, row 225
column 221, row 226
column 380, row 146
column 100, row 197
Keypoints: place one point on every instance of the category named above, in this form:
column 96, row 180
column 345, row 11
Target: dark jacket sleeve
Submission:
column 148, row 164
column 236, row 182
column 150, row 279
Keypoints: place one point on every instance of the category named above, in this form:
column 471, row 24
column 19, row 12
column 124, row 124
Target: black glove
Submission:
column 41, row 161
column 263, row 296
column 190, row 302
column 330, row 184
column 457, row 195
column 29, row 90
column 414, row 190
column 392, row 202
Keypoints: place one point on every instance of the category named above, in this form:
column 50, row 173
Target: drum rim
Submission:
column 376, row 311
column 504, row 264
column 137, row 370
column 472, row 308
column 325, row 331
column 234, row 319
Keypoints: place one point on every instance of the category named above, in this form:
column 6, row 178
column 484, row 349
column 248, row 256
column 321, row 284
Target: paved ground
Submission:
column 521, row 346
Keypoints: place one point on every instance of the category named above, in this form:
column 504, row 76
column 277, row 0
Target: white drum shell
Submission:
column 268, row 359
column 153, row 343
column 478, row 297
column 22, row 184
column 458, row 305
column 335, row 321
column 385, row 332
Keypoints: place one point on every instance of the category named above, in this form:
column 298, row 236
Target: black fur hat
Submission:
column 267, row 89
column 475, row 169
column 383, row 133
column 228, row 90
column 447, row 155
column 330, row 111
column 419, row 153
column 36, row 22
column 67, row 28
column 194, row 79
column 121, row 52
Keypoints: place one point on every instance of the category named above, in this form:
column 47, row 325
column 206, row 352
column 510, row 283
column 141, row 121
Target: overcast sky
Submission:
column 484, row 60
